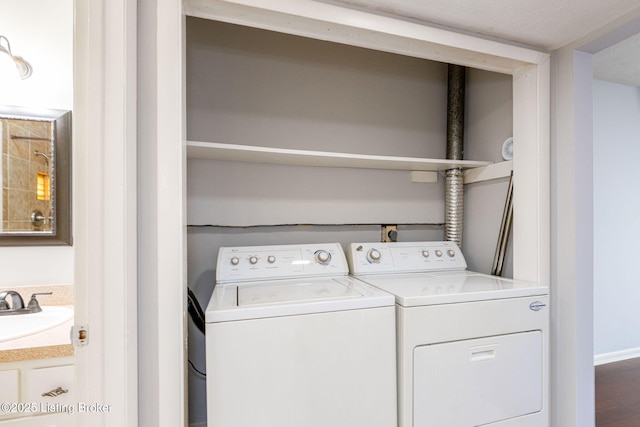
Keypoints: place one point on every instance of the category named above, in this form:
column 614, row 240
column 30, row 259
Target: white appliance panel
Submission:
column 420, row 289
column 327, row 369
column 278, row 293
column 478, row 381
column 255, row 300
column 249, row 263
column 381, row 258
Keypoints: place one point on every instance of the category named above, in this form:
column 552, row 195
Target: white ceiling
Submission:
column 620, row 63
column 544, row 24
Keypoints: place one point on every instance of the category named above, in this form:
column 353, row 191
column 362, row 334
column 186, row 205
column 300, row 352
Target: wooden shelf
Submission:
column 283, row 156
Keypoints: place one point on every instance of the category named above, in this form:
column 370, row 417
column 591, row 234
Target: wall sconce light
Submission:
column 24, row 69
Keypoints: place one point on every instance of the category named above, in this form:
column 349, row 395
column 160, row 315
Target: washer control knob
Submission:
column 235, row 260
column 271, row 259
column 253, row 260
column 438, row 253
column 374, row 255
column 451, row 253
column 323, row 257
column 425, row 253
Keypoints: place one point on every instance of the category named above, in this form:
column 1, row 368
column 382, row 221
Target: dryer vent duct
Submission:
column 454, row 193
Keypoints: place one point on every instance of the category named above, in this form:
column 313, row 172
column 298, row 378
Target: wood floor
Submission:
column 618, row 394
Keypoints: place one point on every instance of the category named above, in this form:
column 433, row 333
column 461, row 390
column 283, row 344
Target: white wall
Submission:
column 41, row 31
column 249, row 86
column 616, row 124
column 489, row 122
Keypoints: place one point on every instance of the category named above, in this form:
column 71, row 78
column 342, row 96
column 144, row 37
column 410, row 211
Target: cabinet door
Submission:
column 54, row 385
column 478, row 381
column 9, row 389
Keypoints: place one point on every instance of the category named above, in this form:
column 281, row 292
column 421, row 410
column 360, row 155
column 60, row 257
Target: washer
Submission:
column 472, row 348
column 292, row 340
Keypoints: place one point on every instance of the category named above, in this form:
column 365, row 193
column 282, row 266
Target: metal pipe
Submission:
column 33, row 138
column 455, row 112
column 454, row 187
column 40, row 153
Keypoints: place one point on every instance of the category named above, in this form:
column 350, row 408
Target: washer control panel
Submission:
column 404, row 257
column 249, row 263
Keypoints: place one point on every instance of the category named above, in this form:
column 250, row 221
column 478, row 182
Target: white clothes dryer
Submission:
column 472, row 348
column 293, row 341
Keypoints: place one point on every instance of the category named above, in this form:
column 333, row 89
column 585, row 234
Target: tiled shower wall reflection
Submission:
column 21, row 139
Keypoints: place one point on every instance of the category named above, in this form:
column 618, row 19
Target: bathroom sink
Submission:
column 22, row 325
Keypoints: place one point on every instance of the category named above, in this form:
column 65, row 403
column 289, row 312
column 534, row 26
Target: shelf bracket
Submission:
column 487, row 173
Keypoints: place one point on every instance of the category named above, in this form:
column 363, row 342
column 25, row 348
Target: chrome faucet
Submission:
column 17, row 303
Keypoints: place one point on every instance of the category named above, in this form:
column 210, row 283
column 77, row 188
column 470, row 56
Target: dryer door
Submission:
column 479, row 381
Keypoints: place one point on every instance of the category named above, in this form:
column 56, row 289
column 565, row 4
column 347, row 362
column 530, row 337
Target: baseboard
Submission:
column 616, row 356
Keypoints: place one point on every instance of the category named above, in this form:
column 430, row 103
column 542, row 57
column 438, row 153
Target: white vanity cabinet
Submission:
column 9, row 392
column 38, row 393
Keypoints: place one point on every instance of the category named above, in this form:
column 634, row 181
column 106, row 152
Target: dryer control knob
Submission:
column 374, row 255
column 253, row 260
column 323, row 257
column 235, row 260
column 271, row 259
column 451, row 253
column 438, row 253
column 425, row 253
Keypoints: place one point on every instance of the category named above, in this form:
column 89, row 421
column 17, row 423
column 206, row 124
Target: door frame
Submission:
column 104, row 188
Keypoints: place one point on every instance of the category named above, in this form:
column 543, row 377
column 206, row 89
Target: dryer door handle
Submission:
column 486, row 352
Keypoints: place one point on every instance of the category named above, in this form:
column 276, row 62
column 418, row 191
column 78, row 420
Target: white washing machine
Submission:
column 293, row 341
column 472, row 348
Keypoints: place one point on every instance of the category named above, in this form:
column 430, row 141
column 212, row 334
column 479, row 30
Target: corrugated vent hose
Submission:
column 454, row 185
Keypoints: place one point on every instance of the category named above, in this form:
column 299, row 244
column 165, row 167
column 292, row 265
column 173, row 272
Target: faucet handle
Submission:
column 33, row 302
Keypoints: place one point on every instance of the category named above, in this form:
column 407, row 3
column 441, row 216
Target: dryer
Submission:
column 472, row 348
column 293, row 341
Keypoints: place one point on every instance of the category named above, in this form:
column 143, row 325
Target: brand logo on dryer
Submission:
column 537, row 305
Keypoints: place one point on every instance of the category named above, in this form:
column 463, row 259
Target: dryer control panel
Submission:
column 251, row 263
column 404, row 257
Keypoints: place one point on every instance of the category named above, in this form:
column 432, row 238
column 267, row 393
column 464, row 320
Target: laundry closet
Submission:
column 328, row 138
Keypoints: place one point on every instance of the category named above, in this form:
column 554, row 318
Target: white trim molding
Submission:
column 616, row 356
column 104, row 188
column 161, row 212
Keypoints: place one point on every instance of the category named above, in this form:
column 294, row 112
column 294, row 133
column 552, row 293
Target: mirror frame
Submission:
column 61, row 234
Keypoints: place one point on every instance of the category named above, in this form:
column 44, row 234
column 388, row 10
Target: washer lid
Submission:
column 280, row 293
column 254, row 300
column 420, row 289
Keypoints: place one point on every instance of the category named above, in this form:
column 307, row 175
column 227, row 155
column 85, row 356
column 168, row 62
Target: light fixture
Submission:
column 24, row 69
column 43, row 186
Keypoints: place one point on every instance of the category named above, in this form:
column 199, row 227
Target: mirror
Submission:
column 35, row 177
